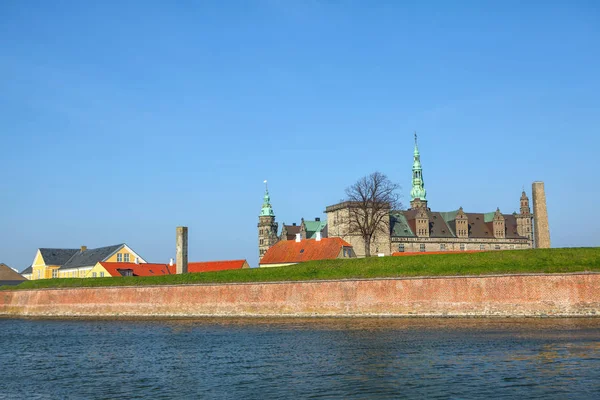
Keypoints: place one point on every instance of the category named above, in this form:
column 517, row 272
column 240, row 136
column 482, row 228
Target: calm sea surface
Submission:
column 300, row 358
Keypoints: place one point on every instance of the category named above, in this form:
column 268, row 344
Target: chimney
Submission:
column 317, row 219
column 298, row 237
column 171, row 262
column 182, row 249
column 83, row 248
column 541, row 229
column 318, row 238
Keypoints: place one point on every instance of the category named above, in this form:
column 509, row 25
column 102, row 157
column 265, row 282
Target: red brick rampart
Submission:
column 503, row 295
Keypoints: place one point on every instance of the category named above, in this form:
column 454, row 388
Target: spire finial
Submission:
column 415, row 138
column 267, row 210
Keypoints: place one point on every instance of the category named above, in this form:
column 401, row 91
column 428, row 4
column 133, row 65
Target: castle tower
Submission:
column 525, row 219
column 418, row 194
column 267, row 227
column 540, row 216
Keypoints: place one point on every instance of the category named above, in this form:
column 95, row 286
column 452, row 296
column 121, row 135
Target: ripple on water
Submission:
column 301, row 358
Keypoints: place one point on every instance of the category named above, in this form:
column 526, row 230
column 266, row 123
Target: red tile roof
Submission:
column 208, row 266
column 142, row 269
column 290, row 251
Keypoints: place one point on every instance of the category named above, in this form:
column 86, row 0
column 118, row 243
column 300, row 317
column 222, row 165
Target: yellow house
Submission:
column 78, row 263
column 27, row 273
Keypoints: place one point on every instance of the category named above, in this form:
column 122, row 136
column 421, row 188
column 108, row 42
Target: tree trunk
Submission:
column 367, row 246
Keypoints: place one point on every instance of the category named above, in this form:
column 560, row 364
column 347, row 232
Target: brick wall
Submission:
column 511, row 295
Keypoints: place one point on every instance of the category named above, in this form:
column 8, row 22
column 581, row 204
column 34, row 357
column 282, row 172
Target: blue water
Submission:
column 300, row 358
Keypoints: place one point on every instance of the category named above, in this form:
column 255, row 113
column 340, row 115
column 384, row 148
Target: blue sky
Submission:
column 120, row 120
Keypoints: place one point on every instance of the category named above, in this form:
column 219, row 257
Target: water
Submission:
column 307, row 358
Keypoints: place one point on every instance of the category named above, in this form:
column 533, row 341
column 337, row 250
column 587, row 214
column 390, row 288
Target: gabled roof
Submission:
column 144, row 269
column 208, row 266
column 291, row 231
column 9, row 274
column 510, row 222
column 90, row 257
column 312, row 227
column 443, row 224
column 57, row 256
column 27, row 270
column 438, row 228
column 290, row 251
column 399, row 225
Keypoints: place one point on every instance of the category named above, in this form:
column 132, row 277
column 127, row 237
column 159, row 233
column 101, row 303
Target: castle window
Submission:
column 482, row 247
column 126, row 257
column 497, row 247
column 261, row 242
column 462, row 247
column 422, row 247
column 442, row 246
column 401, row 248
column 119, row 257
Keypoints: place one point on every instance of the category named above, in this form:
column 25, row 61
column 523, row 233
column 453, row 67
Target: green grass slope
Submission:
column 498, row 262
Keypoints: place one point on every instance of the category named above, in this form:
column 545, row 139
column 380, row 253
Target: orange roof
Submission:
column 420, row 253
column 208, row 266
column 143, row 269
column 290, row 251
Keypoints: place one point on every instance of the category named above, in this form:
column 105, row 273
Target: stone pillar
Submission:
column 182, row 249
column 540, row 216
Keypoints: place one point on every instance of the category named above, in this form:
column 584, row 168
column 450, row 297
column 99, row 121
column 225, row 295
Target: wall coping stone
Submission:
column 400, row 278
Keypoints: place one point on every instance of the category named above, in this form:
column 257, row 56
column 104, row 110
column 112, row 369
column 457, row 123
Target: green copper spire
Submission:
column 418, row 186
column 267, row 210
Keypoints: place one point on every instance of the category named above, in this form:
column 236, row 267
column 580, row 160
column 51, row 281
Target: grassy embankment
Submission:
column 497, row 262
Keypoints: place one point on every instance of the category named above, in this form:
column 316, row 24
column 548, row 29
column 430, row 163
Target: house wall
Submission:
column 72, row 273
column 122, row 251
column 276, row 265
column 338, row 226
column 98, row 271
column 454, row 244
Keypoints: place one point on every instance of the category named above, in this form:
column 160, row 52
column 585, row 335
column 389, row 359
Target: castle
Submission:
column 419, row 229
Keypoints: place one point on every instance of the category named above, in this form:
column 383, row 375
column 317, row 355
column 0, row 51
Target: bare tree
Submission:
column 370, row 201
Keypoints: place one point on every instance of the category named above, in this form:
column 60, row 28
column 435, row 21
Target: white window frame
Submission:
column 119, row 257
column 126, row 257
